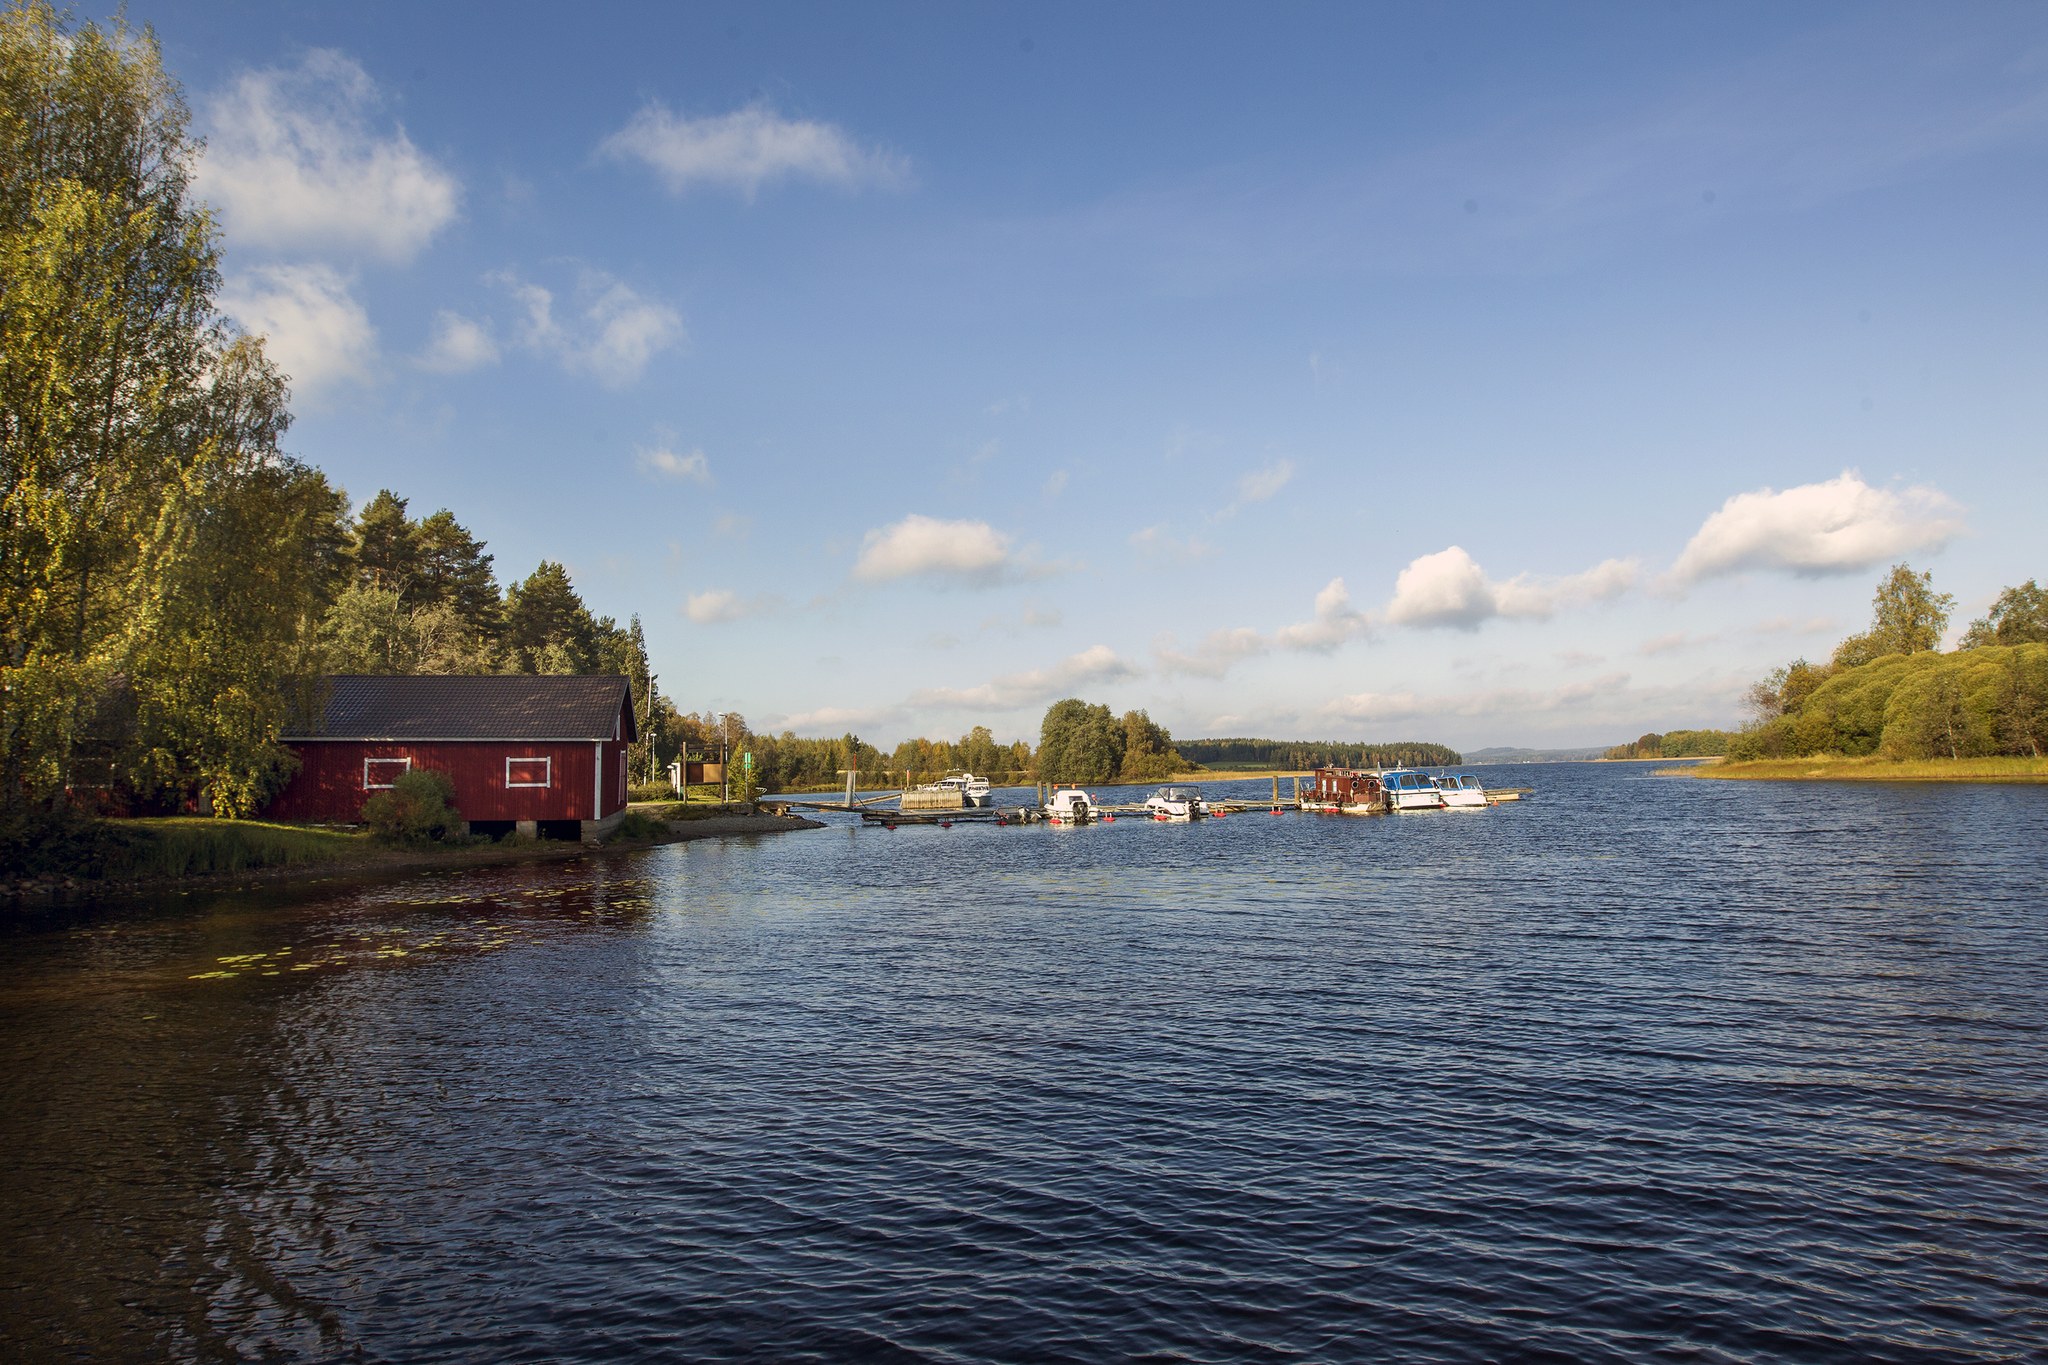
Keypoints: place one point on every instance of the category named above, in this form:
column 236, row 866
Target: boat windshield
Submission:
column 1469, row 782
column 1414, row 781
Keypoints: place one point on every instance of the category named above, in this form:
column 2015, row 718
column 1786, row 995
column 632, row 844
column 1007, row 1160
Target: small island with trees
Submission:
column 1891, row 704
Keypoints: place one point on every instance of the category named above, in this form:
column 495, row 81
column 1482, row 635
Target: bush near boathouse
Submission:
column 415, row 810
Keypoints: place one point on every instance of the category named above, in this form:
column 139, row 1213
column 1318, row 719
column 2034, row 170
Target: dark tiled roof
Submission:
column 484, row 707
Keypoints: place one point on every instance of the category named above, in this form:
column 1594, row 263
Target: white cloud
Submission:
column 968, row 552
column 1259, row 486
column 838, row 719
column 1056, row 483
column 1840, row 526
column 1449, row 588
column 748, row 148
column 1493, row 702
column 691, row 465
column 293, row 160
column 1096, row 664
column 459, row 344
column 1335, row 621
column 615, row 333
column 311, row 324
column 717, row 605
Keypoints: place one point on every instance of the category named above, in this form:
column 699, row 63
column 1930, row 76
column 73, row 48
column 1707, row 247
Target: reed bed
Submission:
column 1872, row 768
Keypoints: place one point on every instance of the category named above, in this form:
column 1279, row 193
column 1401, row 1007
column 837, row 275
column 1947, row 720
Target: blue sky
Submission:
column 1486, row 373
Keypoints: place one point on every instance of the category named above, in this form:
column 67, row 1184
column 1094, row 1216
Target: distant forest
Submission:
column 1260, row 755
column 1675, row 744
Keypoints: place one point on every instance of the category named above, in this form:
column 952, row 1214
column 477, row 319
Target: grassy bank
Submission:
column 200, row 847
column 1836, row 768
column 693, row 809
column 119, row 856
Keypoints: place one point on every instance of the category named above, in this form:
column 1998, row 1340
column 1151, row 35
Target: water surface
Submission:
column 1642, row 1068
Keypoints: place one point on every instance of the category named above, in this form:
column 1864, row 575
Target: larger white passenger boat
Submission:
column 974, row 791
column 1411, row 789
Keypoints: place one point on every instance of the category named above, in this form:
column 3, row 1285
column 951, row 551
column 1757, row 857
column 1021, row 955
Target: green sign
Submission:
column 747, row 761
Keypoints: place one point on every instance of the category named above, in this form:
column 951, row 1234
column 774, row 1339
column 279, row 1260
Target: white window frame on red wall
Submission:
column 547, row 759
column 406, row 766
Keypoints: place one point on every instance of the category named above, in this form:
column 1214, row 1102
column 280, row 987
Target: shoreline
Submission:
column 374, row 862
column 1870, row 768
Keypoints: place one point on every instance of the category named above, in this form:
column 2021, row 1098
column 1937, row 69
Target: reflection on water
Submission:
column 1641, row 1067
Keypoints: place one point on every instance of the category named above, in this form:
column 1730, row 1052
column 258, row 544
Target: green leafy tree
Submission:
column 1079, row 743
column 1907, row 616
column 232, row 603
column 374, row 630
column 978, row 752
column 2023, row 703
column 1148, row 753
column 138, row 438
column 2018, row 617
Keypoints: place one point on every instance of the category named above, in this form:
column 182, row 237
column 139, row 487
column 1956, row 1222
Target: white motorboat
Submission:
column 1072, row 806
column 1461, row 791
column 1411, row 789
column 1177, row 803
column 974, row 791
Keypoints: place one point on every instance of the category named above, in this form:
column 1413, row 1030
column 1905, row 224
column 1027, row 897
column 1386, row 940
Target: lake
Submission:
column 1639, row 1068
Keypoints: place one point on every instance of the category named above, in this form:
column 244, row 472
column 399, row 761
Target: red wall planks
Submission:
column 329, row 783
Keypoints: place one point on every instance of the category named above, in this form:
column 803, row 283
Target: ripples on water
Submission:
column 1640, row 1068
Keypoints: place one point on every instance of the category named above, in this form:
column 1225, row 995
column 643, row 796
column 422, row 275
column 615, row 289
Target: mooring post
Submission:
column 852, row 775
column 1297, row 792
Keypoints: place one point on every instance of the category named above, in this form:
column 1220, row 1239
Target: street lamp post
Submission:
column 652, row 776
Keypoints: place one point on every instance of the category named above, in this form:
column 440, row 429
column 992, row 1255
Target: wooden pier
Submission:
column 913, row 809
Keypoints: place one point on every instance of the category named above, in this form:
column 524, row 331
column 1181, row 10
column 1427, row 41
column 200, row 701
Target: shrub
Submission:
column 638, row 825
column 415, row 809
column 61, row 840
column 650, row 791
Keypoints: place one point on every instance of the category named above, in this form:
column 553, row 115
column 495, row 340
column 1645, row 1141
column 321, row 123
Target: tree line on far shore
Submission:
column 1262, row 755
column 1078, row 742
column 1676, row 744
column 1890, row 690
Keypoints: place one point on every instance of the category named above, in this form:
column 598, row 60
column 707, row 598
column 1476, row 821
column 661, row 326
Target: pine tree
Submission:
column 547, row 627
column 386, row 547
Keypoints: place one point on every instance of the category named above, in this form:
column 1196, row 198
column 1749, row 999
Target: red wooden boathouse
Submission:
column 541, row 755
column 1344, row 791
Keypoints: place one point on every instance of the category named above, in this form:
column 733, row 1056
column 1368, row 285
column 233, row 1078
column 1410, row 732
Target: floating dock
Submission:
column 944, row 808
